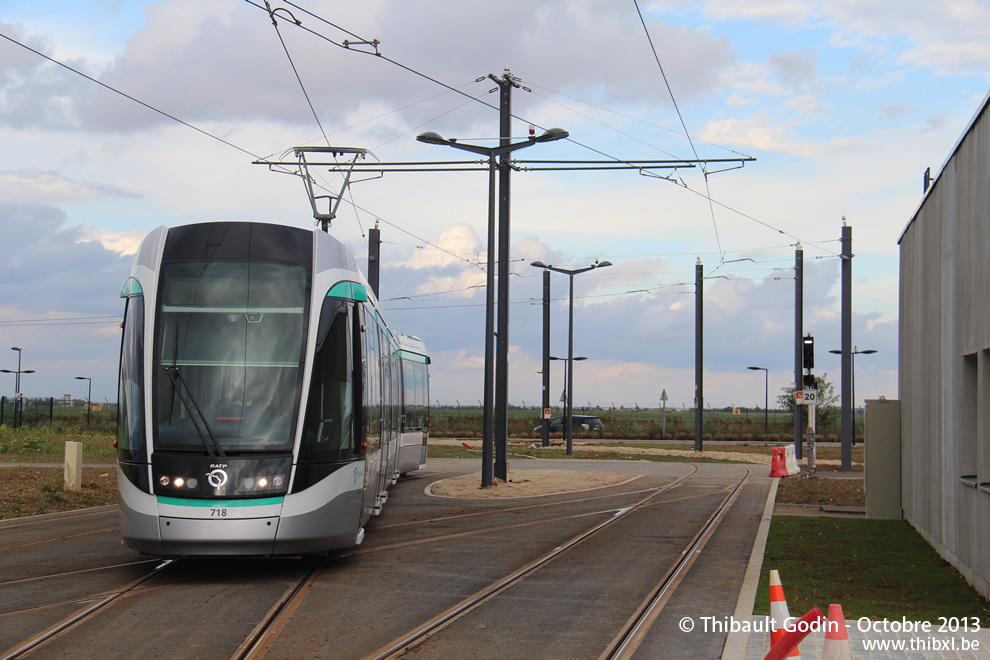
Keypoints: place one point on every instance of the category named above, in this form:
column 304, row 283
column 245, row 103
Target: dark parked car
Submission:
column 581, row 422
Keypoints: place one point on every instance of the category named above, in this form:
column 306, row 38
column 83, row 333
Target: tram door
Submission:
column 388, row 415
column 372, row 415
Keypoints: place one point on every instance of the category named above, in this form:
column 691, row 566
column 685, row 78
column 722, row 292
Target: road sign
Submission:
column 547, row 413
column 663, row 396
column 811, row 397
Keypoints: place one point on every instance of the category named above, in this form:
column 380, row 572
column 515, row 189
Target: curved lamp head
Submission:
column 431, row 137
column 603, row 264
column 538, row 264
column 757, row 368
column 553, row 134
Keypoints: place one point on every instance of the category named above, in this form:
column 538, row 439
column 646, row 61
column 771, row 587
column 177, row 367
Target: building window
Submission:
column 983, row 449
column 969, row 427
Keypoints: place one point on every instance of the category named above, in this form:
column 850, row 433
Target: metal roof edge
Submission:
column 952, row 152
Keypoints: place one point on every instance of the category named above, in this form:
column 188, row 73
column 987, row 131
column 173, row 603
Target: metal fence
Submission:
column 27, row 412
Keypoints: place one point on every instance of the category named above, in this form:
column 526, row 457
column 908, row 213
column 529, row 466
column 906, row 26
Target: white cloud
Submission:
column 123, row 243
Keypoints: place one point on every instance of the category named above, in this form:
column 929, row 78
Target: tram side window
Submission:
column 328, row 434
column 416, row 394
column 131, row 444
column 373, row 382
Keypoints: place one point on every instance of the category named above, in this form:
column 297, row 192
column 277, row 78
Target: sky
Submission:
column 118, row 116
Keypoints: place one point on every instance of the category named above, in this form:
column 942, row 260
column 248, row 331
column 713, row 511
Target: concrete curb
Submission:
column 736, row 642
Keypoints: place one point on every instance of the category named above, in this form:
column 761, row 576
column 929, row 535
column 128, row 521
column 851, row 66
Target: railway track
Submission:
column 279, row 617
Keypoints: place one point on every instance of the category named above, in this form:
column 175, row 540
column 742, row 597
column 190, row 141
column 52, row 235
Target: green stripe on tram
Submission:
column 219, row 504
column 130, row 287
column 413, row 357
column 348, row 291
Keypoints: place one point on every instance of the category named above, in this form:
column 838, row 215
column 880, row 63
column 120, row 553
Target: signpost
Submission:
column 809, row 398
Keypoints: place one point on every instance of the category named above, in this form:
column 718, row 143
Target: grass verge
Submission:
column 874, row 568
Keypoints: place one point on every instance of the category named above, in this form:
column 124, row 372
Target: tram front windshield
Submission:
column 228, row 355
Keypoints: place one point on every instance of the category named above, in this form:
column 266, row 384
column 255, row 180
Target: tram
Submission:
column 265, row 407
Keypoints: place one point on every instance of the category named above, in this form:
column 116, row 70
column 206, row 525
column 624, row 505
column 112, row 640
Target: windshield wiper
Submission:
column 209, row 440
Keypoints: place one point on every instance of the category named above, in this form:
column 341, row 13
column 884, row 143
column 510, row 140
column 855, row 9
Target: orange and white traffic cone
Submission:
column 837, row 645
column 779, row 613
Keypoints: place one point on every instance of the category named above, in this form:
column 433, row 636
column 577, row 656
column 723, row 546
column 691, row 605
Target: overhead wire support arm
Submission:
column 482, row 165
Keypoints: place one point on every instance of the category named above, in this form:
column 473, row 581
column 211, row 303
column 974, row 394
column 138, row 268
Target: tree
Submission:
column 828, row 412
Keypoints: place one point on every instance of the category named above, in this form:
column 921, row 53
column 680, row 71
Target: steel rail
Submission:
column 632, row 634
column 526, row 507
column 52, row 539
column 421, row 633
column 79, row 572
column 72, row 621
column 257, row 643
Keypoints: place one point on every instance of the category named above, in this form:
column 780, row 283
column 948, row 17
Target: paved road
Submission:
column 422, row 556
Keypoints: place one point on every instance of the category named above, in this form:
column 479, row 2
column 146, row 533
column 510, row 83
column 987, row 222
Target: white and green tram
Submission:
column 265, row 406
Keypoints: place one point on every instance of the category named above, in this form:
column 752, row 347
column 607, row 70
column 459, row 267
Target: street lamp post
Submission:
column 852, row 382
column 17, row 385
column 766, row 396
column 568, row 421
column 488, row 432
column 545, row 429
column 89, row 396
column 566, row 396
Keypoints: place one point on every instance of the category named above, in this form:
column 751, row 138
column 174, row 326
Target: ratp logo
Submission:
column 217, row 478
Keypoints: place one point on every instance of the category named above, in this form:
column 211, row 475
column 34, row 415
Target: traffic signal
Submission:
column 809, row 352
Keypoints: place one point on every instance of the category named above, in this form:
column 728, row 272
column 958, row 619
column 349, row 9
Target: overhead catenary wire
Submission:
column 687, row 134
column 128, row 96
column 250, row 153
column 271, row 14
column 360, row 40
column 620, row 114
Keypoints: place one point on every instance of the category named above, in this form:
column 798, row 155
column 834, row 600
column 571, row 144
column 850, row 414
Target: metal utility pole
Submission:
column 89, row 396
column 569, row 376
column 546, row 359
column 18, row 399
column 798, row 343
column 847, row 369
column 488, row 407
column 505, row 84
column 374, row 258
column 699, row 319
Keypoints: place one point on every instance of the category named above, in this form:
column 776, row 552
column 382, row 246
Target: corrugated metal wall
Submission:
column 944, row 363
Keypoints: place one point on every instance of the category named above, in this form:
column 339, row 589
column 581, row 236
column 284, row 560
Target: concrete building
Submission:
column 944, row 361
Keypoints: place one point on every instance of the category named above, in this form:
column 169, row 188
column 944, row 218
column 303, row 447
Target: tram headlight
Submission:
column 262, row 482
column 164, row 480
column 277, row 481
column 192, row 482
column 248, row 483
column 178, row 482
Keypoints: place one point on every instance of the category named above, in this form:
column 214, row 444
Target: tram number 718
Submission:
column 218, row 513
